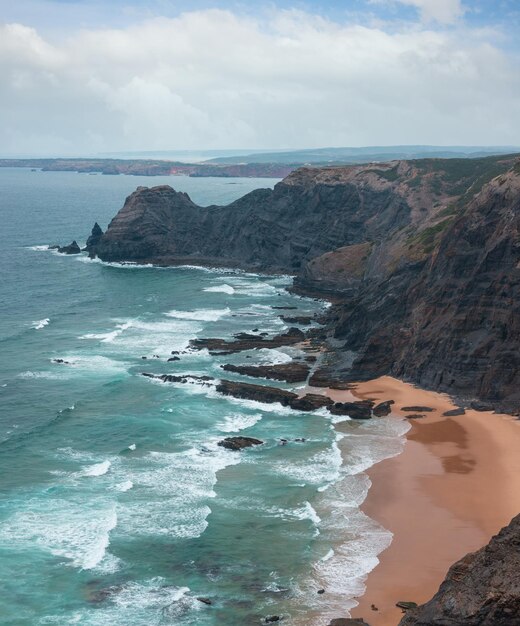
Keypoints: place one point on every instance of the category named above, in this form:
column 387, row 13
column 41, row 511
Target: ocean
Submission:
column 117, row 506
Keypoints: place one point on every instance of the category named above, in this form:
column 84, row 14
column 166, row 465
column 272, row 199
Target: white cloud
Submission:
column 443, row 11
column 212, row 79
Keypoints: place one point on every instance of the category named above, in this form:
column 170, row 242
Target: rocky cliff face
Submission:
column 422, row 256
column 451, row 320
column 482, row 589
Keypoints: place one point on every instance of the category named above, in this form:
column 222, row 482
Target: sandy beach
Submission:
column 456, row 484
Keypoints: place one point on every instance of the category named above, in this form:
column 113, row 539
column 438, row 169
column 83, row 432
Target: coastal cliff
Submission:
column 422, row 259
column 482, row 589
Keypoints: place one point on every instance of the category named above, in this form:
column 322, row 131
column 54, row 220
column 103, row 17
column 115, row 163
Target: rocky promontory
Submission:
column 421, row 259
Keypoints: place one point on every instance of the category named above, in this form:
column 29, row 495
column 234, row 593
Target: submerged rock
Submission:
column 482, row 589
column 239, row 443
column 183, row 378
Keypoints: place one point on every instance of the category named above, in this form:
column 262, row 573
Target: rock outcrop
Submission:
column 248, row 341
column 94, row 238
column 293, row 372
column 239, row 443
column 72, row 248
column 482, row 589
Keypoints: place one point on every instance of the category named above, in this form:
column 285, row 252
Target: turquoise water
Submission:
column 117, row 505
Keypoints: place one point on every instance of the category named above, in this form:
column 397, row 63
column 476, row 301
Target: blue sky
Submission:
column 53, row 16
column 92, row 76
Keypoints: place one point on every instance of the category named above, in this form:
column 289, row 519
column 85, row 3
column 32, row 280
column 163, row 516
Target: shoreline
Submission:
column 454, row 485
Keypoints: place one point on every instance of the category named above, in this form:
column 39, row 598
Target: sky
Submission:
column 84, row 77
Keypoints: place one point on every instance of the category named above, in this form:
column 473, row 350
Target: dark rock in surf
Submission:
column 239, row 443
column 260, row 393
column 361, row 410
column 289, row 372
column 183, row 378
column 72, row 248
column 94, row 239
column 247, row 341
column 383, row 408
column 311, row 402
column 303, row 320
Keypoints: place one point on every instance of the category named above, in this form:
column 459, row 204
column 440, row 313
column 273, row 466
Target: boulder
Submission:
column 477, row 405
column 239, row 443
column 361, row 410
column 383, row 408
column 310, row 402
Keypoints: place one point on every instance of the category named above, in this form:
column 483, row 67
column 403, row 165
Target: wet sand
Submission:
column 456, row 484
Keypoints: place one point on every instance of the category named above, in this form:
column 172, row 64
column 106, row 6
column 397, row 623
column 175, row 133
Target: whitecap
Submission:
column 132, row 446
column 98, row 469
column 124, row 486
column 221, row 289
column 39, row 248
column 76, row 531
column 237, row 421
column 203, row 315
column 176, row 486
column 39, row 324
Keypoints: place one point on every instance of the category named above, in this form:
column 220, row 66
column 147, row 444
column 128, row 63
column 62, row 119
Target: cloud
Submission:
column 443, row 11
column 214, row 79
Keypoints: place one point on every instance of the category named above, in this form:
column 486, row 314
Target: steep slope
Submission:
column 482, row 589
column 450, row 321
